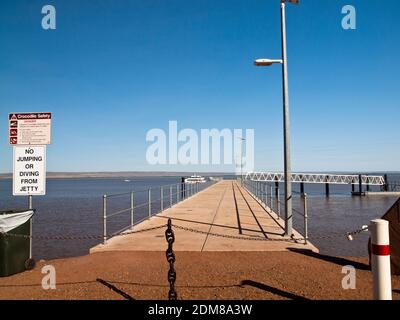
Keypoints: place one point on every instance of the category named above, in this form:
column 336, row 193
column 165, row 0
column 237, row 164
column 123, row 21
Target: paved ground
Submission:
column 200, row 275
column 224, row 208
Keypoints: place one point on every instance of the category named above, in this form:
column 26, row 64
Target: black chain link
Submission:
column 169, row 235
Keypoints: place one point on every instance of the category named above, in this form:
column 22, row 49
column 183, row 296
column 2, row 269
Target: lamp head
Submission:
column 265, row 62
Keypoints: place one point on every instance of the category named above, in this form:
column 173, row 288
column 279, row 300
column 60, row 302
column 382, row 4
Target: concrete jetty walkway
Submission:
column 226, row 209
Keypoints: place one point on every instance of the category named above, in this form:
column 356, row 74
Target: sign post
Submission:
column 29, row 133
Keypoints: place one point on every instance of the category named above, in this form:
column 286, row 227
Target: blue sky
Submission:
column 112, row 70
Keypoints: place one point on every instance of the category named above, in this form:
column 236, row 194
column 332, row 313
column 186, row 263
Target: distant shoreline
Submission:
column 122, row 174
column 133, row 174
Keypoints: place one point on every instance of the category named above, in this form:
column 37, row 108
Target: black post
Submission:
column 360, row 183
column 276, row 188
column 367, row 184
column 301, row 185
column 386, row 185
column 326, row 187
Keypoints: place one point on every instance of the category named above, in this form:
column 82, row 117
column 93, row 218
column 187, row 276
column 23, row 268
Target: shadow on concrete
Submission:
column 178, row 286
column 216, row 225
column 332, row 259
column 39, row 284
column 273, row 290
column 115, row 289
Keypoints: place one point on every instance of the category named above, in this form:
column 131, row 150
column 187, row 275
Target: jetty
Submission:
column 223, row 217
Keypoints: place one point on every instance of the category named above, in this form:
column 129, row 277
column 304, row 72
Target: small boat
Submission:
column 195, row 179
column 127, row 180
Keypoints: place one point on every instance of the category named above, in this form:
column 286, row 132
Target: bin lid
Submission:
column 12, row 219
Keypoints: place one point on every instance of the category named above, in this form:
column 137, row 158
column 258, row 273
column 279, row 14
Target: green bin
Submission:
column 15, row 251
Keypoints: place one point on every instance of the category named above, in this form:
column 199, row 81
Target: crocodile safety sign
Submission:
column 29, row 173
column 29, row 128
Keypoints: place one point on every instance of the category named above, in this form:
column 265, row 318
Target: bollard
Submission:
column 380, row 259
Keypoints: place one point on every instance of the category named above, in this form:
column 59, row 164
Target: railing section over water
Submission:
column 141, row 205
column 269, row 196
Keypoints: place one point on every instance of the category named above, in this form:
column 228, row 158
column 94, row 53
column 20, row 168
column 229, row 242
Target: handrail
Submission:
column 175, row 193
column 262, row 197
column 111, row 195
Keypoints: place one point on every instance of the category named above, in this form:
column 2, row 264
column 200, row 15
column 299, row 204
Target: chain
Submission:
column 348, row 235
column 235, row 237
column 85, row 237
column 170, row 237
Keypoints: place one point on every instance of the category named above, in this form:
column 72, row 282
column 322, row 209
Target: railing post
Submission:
column 270, row 197
column 149, row 198
column 265, row 193
column 104, row 219
column 162, row 199
column 177, row 193
column 132, row 206
column 278, row 203
column 305, row 217
column 170, row 196
column 30, row 206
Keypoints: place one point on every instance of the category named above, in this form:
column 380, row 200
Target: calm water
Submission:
column 74, row 207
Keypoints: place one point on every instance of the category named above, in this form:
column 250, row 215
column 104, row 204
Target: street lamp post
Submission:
column 286, row 123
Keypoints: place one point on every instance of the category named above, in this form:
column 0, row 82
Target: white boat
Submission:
column 195, row 179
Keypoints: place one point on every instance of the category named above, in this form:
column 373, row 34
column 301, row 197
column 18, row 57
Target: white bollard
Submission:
column 380, row 259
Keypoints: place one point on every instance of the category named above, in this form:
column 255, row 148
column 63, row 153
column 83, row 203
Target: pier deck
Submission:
column 224, row 208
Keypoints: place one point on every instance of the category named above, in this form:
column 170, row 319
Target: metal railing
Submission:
column 392, row 187
column 169, row 195
column 269, row 196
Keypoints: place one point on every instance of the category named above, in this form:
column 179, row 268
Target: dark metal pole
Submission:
column 326, row 187
column 302, row 187
column 386, row 186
